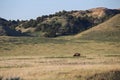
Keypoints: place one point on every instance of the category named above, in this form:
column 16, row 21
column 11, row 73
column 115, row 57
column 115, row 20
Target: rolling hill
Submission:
column 67, row 22
column 109, row 30
column 59, row 24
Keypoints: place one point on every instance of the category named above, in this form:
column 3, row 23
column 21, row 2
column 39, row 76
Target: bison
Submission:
column 76, row 55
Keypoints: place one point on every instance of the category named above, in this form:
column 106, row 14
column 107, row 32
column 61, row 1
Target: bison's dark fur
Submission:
column 76, row 55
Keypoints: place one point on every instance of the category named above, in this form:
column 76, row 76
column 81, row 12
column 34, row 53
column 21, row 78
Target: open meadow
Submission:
column 33, row 58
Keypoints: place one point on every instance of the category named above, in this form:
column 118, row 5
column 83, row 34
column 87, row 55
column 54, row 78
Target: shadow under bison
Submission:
column 76, row 55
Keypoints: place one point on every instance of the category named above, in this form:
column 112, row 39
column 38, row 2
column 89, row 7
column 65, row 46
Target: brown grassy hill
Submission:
column 66, row 22
column 59, row 24
column 109, row 30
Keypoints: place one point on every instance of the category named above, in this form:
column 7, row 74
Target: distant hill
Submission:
column 109, row 30
column 67, row 22
column 7, row 29
column 61, row 23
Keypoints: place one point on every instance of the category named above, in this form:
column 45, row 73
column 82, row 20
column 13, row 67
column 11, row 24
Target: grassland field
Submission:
column 34, row 58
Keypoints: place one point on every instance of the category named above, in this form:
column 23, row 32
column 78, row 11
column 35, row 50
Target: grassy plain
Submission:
column 33, row 58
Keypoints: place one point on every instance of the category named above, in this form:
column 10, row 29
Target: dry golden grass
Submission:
column 55, row 61
column 86, row 48
column 48, row 68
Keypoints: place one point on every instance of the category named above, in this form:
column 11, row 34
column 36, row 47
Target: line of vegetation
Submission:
column 11, row 78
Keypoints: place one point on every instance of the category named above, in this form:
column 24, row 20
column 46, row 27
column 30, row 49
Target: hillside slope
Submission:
column 7, row 29
column 3, row 22
column 109, row 30
column 67, row 22
column 59, row 24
